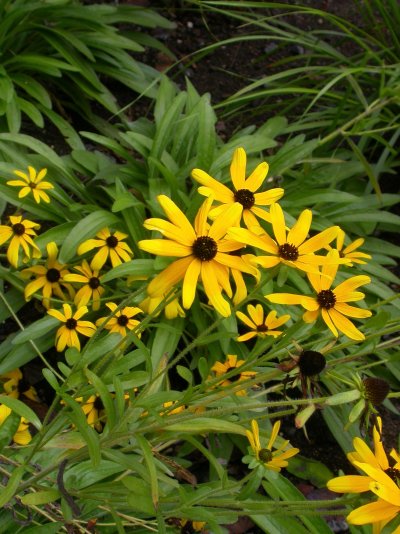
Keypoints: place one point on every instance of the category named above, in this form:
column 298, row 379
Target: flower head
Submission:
column 13, row 385
column 260, row 324
column 67, row 335
column 349, row 252
column 49, row 277
column 203, row 252
column 93, row 408
column 382, row 477
column 291, row 248
column 21, row 232
column 110, row 245
column 121, row 321
column 274, row 460
column 244, row 192
column 91, row 289
column 22, row 436
column 330, row 303
column 232, row 363
column 32, row 183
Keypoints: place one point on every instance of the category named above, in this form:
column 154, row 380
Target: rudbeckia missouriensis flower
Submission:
column 203, row 251
column 232, row 363
column 244, row 192
column 350, row 252
column 291, row 248
column 67, row 335
column 331, row 304
column 110, row 245
column 260, row 324
column 22, row 435
column 50, row 278
column 93, row 408
column 91, row 289
column 13, row 385
column 382, row 477
column 121, row 320
column 21, row 232
column 32, row 183
column 271, row 459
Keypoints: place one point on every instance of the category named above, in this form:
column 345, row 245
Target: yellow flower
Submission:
column 330, row 303
column 203, row 252
column 22, row 436
column 49, row 278
column 291, row 248
column 380, row 477
column 231, row 363
column 121, row 320
column 111, row 245
column 21, row 233
column 170, row 404
column 244, row 192
column 67, row 335
column 32, row 183
column 274, row 460
column 349, row 252
column 91, row 290
column 172, row 309
column 93, row 408
column 261, row 326
column 191, row 526
column 14, row 385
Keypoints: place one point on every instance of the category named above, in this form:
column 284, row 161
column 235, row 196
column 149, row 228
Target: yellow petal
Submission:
column 349, row 484
column 213, row 290
column 257, row 177
column 190, row 283
column 278, row 223
column 300, row 230
column 372, row 513
column 345, row 325
column 238, row 168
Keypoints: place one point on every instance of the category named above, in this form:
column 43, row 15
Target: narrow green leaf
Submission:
column 9, row 491
column 21, row 409
column 149, row 459
column 105, row 396
column 39, row 328
column 40, row 497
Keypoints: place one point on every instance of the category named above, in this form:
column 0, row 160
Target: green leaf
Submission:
column 9, row 491
column 138, row 268
column 40, row 497
column 308, row 469
column 85, row 229
column 149, row 459
column 206, row 141
column 37, row 329
column 13, row 115
column 200, row 425
column 21, row 409
column 105, row 396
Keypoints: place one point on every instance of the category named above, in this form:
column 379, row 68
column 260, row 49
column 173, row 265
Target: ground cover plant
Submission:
column 178, row 308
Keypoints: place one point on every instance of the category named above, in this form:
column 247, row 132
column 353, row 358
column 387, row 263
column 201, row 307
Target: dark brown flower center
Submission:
column 235, row 377
column 311, row 362
column 94, row 282
column 205, row 248
column 18, row 229
column 265, row 455
column 112, row 241
column 122, row 320
column 245, row 198
column 393, row 473
column 326, row 299
column 98, row 404
column 71, row 323
column 262, row 328
column 376, row 389
column 288, row 252
column 32, row 185
column 53, row 275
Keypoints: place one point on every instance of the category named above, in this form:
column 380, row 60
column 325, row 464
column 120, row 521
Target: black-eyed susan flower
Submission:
column 22, row 436
column 245, row 190
column 269, row 458
column 21, row 231
column 232, row 364
column 122, row 320
column 109, row 245
column 170, row 409
column 67, row 335
column 261, row 325
column 203, row 252
column 331, row 304
column 172, row 309
column 188, row 526
column 50, row 278
column 14, row 385
column 350, row 251
column 32, row 182
column 92, row 290
column 382, row 477
column 291, row 248
column 93, row 408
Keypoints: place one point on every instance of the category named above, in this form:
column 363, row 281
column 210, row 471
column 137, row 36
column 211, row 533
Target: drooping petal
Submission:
column 310, row 316
column 372, row 513
column 190, row 283
column 213, row 290
column 326, row 316
column 345, row 326
column 352, row 311
column 169, row 277
column 100, row 258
